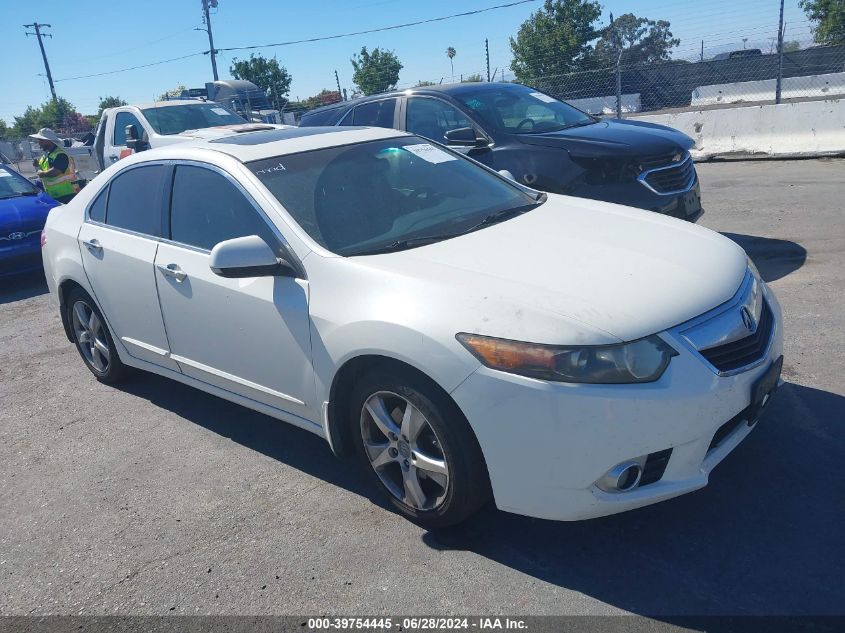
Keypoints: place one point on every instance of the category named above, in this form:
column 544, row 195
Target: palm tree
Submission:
column 450, row 53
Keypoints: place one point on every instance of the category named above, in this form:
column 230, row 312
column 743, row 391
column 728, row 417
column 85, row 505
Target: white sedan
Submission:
column 464, row 335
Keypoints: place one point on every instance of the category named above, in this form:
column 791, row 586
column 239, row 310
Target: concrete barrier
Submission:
column 811, row 128
column 607, row 105
column 830, row 85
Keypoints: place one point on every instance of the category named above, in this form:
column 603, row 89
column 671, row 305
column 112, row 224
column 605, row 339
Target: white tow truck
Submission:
column 131, row 128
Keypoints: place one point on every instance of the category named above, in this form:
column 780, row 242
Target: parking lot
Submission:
column 154, row 498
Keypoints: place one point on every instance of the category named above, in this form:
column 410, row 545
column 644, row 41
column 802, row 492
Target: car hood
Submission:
column 612, row 138
column 25, row 213
column 575, row 271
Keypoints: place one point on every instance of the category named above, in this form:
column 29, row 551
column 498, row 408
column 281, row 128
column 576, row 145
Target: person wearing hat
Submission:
column 55, row 168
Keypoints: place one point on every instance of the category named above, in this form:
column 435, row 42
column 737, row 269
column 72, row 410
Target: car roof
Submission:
column 251, row 146
column 449, row 89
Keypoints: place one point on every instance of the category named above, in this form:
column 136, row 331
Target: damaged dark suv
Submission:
column 542, row 142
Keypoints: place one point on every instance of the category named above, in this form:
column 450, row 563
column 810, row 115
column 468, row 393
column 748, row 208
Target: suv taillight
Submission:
column 43, row 239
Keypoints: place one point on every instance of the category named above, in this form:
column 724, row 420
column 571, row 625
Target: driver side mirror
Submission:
column 133, row 139
column 248, row 256
column 465, row 137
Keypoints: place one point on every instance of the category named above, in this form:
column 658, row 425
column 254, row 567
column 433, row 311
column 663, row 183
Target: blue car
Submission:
column 23, row 212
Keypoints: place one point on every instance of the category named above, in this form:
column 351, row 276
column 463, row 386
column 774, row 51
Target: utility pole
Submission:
column 40, row 35
column 487, row 52
column 702, row 50
column 780, row 57
column 207, row 29
column 339, row 91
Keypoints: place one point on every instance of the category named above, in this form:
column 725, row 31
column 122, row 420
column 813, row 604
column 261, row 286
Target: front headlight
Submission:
column 644, row 360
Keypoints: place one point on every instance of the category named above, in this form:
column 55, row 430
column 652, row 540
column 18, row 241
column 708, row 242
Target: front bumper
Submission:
column 20, row 256
column 547, row 444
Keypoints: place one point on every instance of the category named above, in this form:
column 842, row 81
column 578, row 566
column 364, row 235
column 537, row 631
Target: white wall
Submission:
column 811, row 128
column 828, row 85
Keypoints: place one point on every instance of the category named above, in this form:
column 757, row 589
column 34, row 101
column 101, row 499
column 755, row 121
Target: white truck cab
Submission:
column 125, row 129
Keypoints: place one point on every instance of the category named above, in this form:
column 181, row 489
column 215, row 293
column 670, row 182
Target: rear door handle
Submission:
column 93, row 244
column 172, row 270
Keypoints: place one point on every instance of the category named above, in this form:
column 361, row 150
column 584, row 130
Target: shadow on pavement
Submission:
column 764, row 537
column 774, row 258
column 20, row 287
column 269, row 436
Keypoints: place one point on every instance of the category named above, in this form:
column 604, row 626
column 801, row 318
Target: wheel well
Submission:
column 65, row 289
column 341, row 392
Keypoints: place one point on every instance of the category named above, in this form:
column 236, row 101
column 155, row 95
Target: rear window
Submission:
column 134, row 201
column 176, row 119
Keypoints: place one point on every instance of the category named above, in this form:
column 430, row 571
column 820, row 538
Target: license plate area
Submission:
column 763, row 389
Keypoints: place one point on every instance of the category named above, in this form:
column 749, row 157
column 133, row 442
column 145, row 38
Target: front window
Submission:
column 15, row 186
column 173, row 119
column 522, row 110
column 388, row 195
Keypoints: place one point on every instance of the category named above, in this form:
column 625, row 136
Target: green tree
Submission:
column 173, row 92
column 57, row 114
column 641, row 41
column 792, row 46
column 265, row 73
column 109, row 102
column 556, row 40
column 27, row 123
column 422, row 83
column 4, row 130
column 475, row 77
column 375, row 72
column 829, row 18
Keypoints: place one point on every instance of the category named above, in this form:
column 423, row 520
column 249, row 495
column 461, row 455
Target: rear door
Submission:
column 118, row 240
column 249, row 336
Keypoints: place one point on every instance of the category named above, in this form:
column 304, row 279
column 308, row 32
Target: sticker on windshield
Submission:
column 541, row 97
column 429, row 153
column 219, row 111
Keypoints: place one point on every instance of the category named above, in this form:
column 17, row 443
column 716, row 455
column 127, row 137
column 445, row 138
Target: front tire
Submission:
column 93, row 339
column 419, row 448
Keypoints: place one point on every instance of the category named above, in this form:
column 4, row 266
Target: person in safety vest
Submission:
column 55, row 168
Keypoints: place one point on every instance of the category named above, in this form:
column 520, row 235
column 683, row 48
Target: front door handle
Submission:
column 172, row 270
column 93, row 244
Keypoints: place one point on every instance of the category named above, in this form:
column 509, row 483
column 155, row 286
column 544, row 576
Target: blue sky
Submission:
column 95, row 36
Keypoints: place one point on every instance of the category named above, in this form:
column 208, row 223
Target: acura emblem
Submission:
column 17, row 235
column 748, row 319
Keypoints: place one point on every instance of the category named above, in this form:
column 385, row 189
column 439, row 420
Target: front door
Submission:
column 116, row 142
column 250, row 336
column 118, row 241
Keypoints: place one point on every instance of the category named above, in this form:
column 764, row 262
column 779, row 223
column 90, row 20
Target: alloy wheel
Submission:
column 404, row 450
column 91, row 336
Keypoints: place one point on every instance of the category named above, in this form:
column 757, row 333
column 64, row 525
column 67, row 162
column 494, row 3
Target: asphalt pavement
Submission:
column 154, row 498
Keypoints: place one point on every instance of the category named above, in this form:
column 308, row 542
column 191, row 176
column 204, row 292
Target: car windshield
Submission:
column 522, row 110
column 13, row 185
column 175, row 119
column 389, row 194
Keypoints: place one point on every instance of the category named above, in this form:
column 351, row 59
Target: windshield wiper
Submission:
column 493, row 218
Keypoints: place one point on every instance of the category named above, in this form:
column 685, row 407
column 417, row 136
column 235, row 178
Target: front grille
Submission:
column 673, row 178
column 744, row 351
column 655, row 466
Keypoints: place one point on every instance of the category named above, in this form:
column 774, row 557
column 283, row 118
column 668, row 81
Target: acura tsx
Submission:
column 465, row 336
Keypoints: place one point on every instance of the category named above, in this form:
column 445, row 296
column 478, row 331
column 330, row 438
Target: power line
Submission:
column 123, row 70
column 380, row 29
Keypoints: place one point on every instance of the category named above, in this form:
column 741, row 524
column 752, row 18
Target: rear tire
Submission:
column 418, row 448
column 93, row 340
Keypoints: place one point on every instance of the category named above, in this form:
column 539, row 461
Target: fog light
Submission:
column 622, row 477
